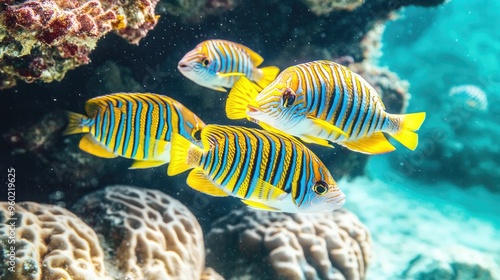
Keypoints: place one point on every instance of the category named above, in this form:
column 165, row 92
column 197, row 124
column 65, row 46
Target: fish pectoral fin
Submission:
column 330, row 128
column 199, row 181
column 373, row 144
column 140, row 164
column 90, row 145
column 220, row 74
column 221, row 89
column 265, row 191
column 317, row 140
column 259, row 205
column 272, row 129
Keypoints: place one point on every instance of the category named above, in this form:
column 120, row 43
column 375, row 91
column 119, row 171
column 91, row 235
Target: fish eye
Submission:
column 205, row 62
column 288, row 97
column 320, row 188
column 197, row 134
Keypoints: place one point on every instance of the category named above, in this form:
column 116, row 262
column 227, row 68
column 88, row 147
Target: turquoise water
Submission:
column 457, row 43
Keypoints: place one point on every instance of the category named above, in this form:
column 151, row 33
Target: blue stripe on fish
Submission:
column 128, row 127
column 111, row 129
column 236, row 161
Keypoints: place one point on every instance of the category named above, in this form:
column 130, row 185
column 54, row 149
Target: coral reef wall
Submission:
column 42, row 40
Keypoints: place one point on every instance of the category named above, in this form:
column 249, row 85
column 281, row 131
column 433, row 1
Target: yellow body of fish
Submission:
column 133, row 125
column 324, row 102
column 266, row 170
column 217, row 64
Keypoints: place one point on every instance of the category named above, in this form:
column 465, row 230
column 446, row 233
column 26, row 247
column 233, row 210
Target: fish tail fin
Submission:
column 243, row 93
column 75, row 125
column 406, row 134
column 184, row 155
column 268, row 74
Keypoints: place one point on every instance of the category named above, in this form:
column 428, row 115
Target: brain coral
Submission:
column 249, row 243
column 149, row 235
column 51, row 243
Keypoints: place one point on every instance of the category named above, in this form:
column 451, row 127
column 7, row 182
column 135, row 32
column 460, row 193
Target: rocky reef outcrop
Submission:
column 42, row 40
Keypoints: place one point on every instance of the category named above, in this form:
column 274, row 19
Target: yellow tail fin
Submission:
column 409, row 124
column 241, row 95
column 269, row 73
column 75, row 124
column 183, row 156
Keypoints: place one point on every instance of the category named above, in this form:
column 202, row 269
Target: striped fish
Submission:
column 324, row 102
column 133, row 125
column 264, row 169
column 217, row 64
column 471, row 96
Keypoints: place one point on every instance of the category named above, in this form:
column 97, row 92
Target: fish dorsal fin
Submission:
column 92, row 106
column 91, row 146
column 373, row 144
column 265, row 191
column 330, row 128
column 254, row 57
column 268, row 75
column 199, row 181
column 259, row 205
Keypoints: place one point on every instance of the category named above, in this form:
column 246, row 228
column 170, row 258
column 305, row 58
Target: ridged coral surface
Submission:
column 274, row 245
column 136, row 234
column 51, row 243
column 149, row 234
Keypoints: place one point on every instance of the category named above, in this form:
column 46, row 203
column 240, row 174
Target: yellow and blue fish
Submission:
column 471, row 96
column 217, row 64
column 266, row 170
column 133, row 125
column 324, row 102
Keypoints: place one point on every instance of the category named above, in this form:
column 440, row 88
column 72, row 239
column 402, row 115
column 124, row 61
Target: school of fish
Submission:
column 319, row 102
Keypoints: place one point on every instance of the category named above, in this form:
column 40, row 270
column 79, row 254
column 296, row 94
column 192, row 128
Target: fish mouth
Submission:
column 183, row 66
column 253, row 109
